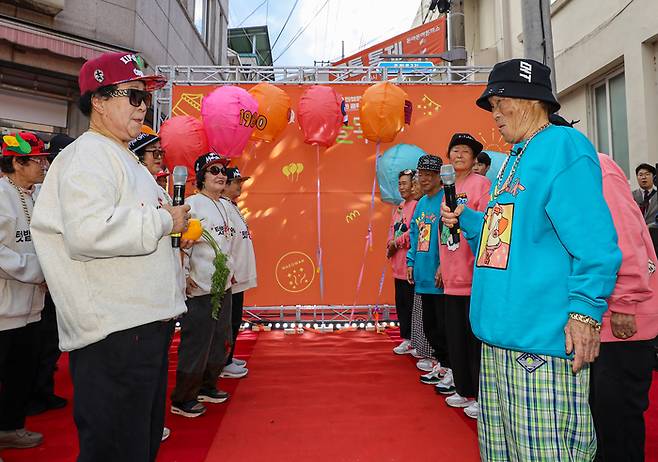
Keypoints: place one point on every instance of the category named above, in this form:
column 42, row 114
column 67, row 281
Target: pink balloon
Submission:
column 183, row 140
column 229, row 116
column 320, row 115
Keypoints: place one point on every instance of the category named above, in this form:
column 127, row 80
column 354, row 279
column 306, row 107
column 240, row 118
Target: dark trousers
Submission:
column 204, row 346
column 434, row 326
column 619, row 395
column 463, row 347
column 404, row 302
column 236, row 320
column 119, row 394
column 48, row 352
column 17, row 372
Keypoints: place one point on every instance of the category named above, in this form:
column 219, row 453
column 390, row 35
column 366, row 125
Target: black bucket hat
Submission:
column 468, row 140
column 520, row 78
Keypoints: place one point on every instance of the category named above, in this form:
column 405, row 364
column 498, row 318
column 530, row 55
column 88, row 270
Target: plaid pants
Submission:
column 533, row 408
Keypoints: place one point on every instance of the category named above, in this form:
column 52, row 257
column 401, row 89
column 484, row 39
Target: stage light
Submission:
column 362, row 325
column 177, row 323
column 339, row 326
column 392, row 324
column 277, row 325
column 246, row 325
column 369, row 324
column 315, row 326
column 269, row 325
column 292, row 324
column 308, row 325
column 285, row 325
column 353, row 324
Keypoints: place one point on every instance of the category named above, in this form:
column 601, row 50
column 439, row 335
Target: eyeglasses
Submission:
column 135, row 96
column 39, row 160
column 215, row 170
column 156, row 153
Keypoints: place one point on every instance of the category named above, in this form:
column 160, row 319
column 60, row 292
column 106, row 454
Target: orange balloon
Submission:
column 274, row 106
column 382, row 112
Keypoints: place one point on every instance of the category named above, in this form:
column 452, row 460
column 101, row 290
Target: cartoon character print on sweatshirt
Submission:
column 400, row 227
column 425, row 222
column 446, row 237
column 496, row 237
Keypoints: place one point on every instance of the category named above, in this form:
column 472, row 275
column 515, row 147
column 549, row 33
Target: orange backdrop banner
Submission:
column 279, row 201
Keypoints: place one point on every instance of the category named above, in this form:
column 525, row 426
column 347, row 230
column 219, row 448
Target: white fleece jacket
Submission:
column 244, row 258
column 103, row 242
column 21, row 293
column 215, row 218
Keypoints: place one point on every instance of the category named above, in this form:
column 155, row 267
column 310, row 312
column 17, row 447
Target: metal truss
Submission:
column 316, row 313
column 301, row 75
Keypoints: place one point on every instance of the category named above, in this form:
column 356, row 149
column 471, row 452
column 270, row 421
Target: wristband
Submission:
column 586, row 320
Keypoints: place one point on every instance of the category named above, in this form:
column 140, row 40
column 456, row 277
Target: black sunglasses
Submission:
column 135, row 96
column 215, row 170
column 156, row 153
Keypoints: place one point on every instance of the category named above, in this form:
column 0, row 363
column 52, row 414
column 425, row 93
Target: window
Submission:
column 611, row 126
column 201, row 16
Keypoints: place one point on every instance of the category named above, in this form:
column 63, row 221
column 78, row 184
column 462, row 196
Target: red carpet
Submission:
column 320, row 397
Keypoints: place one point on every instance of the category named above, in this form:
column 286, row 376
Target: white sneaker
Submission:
column 459, row 401
column 434, row 376
column 473, row 411
column 165, row 433
column 403, row 348
column 426, row 364
column 415, row 354
column 447, row 385
column 233, row 372
column 239, row 362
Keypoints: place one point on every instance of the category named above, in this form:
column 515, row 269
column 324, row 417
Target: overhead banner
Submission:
column 429, row 38
column 279, row 201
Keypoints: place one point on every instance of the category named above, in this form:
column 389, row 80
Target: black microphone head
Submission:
column 180, row 175
column 448, row 175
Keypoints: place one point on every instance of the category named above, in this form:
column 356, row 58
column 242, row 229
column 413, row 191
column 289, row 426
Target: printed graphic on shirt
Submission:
column 462, row 199
column 23, row 235
column 400, row 226
column 496, row 237
column 424, row 234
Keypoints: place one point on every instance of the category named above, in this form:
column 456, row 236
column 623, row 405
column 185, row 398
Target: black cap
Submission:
column 59, row 142
column 466, row 139
column 234, row 174
column 520, row 78
column 142, row 140
column 647, row 167
column 484, row 158
column 206, row 160
column 430, row 162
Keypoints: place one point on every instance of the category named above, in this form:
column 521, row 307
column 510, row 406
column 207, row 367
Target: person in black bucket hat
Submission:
column 520, row 78
column 541, row 276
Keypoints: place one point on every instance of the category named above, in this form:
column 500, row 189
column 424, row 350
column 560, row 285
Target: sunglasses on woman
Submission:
column 135, row 96
column 215, row 170
column 156, row 153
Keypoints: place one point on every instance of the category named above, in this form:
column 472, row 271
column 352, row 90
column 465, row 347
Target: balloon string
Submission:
column 319, row 221
column 369, row 240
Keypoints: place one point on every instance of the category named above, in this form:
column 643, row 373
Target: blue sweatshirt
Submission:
column 543, row 248
column 423, row 254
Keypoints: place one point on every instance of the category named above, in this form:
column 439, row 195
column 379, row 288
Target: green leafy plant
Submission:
column 219, row 277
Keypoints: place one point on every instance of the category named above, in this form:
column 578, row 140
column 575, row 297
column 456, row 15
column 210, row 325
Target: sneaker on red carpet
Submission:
column 472, row 411
column 403, row 348
column 434, row 376
column 426, row 364
column 165, row 434
column 190, row 409
column 447, row 384
column 212, row 396
column 239, row 362
column 457, row 400
column 20, row 439
column 233, row 372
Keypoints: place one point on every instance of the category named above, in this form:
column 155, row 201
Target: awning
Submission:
column 58, row 43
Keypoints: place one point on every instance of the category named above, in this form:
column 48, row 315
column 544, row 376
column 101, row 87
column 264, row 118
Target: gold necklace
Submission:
column 21, row 195
column 500, row 188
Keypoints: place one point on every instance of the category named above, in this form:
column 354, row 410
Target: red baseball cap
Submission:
column 114, row 68
column 23, row 144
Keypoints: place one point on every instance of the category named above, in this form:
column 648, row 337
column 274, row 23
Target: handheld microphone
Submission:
column 180, row 177
column 448, row 177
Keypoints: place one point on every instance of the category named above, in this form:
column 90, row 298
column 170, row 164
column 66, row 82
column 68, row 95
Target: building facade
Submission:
column 43, row 44
column 605, row 66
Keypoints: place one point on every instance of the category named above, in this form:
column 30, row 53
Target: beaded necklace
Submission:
column 500, row 188
column 21, row 195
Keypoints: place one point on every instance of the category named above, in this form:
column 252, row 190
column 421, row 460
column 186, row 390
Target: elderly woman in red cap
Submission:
column 541, row 276
column 101, row 230
column 22, row 291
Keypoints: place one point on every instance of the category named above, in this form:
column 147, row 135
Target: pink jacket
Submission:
column 457, row 266
column 402, row 217
column 636, row 291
